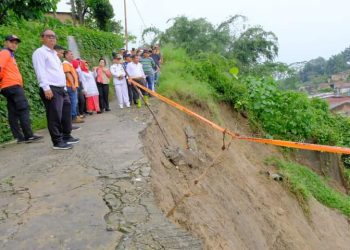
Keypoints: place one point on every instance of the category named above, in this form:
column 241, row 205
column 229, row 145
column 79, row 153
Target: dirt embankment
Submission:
column 233, row 206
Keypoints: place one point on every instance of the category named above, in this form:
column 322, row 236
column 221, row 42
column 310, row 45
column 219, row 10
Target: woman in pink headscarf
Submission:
column 90, row 88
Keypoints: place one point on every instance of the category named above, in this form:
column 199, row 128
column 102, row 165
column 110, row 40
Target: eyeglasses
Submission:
column 50, row 36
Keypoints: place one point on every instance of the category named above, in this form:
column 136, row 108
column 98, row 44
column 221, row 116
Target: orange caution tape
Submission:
column 289, row 144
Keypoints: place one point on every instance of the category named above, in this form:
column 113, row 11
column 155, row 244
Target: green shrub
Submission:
column 276, row 113
column 178, row 84
column 304, row 182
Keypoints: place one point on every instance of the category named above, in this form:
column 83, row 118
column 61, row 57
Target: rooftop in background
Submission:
column 335, row 102
column 63, row 16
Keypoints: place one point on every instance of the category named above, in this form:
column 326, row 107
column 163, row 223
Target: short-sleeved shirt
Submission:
column 68, row 68
column 135, row 70
column 156, row 58
column 9, row 72
column 148, row 65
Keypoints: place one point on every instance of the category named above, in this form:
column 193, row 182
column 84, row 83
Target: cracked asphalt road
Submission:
column 96, row 196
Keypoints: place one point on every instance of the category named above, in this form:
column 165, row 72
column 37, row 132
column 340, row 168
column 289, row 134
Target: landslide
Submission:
column 235, row 205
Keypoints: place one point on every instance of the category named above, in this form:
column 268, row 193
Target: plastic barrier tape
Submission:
column 289, row 144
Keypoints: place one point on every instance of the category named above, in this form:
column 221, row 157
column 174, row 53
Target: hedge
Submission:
column 92, row 45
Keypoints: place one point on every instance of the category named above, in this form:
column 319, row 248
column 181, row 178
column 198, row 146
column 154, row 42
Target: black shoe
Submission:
column 99, row 112
column 62, row 146
column 76, row 128
column 71, row 140
column 33, row 138
column 108, row 109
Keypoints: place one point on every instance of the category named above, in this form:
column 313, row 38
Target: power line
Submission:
column 139, row 13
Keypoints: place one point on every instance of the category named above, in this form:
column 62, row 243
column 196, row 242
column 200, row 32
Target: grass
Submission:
column 304, row 183
column 181, row 86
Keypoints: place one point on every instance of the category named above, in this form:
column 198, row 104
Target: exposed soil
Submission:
column 233, row 205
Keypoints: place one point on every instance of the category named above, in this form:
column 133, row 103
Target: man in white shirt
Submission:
column 52, row 81
column 136, row 73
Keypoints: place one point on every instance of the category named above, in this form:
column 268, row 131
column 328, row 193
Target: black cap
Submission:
column 12, row 38
column 127, row 55
column 58, row 47
column 118, row 56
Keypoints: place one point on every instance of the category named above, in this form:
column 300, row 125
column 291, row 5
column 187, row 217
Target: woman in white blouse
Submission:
column 89, row 88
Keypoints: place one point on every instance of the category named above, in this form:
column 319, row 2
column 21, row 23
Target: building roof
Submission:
column 343, row 85
column 337, row 101
column 324, row 85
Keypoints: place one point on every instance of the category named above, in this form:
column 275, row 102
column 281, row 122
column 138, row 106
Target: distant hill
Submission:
column 320, row 70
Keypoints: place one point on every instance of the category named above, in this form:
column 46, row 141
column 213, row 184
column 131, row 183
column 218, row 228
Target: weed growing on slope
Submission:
column 303, row 182
column 178, row 84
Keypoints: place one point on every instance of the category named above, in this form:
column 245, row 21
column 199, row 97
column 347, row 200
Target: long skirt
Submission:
column 92, row 103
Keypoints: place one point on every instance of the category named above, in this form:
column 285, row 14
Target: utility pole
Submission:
column 126, row 27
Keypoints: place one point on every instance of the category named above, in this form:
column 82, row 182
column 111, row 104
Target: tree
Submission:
column 114, row 26
column 313, row 68
column 96, row 14
column 151, row 36
column 80, row 9
column 102, row 12
column 339, row 62
column 255, row 45
column 193, row 35
column 28, row 9
column 232, row 38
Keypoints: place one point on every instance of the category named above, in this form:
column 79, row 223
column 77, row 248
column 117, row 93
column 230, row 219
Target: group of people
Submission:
column 141, row 66
column 70, row 89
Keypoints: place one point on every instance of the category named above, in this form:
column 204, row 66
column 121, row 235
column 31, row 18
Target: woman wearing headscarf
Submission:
column 89, row 88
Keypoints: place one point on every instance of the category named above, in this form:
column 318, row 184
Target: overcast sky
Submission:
column 306, row 29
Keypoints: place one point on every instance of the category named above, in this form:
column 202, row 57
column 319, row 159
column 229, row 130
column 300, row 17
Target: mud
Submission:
column 96, row 196
column 229, row 201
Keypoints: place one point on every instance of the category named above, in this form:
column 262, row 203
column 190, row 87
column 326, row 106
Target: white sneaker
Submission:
column 121, row 106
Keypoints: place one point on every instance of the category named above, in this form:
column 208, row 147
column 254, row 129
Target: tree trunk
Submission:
column 72, row 3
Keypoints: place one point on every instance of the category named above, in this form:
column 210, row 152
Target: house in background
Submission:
column 341, row 89
column 341, row 77
column 62, row 16
column 339, row 105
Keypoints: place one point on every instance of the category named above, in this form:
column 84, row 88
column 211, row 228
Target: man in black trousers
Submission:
column 52, row 81
column 11, row 86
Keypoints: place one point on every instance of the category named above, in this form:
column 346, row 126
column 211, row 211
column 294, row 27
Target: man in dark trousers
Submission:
column 133, row 95
column 52, row 81
column 11, row 85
